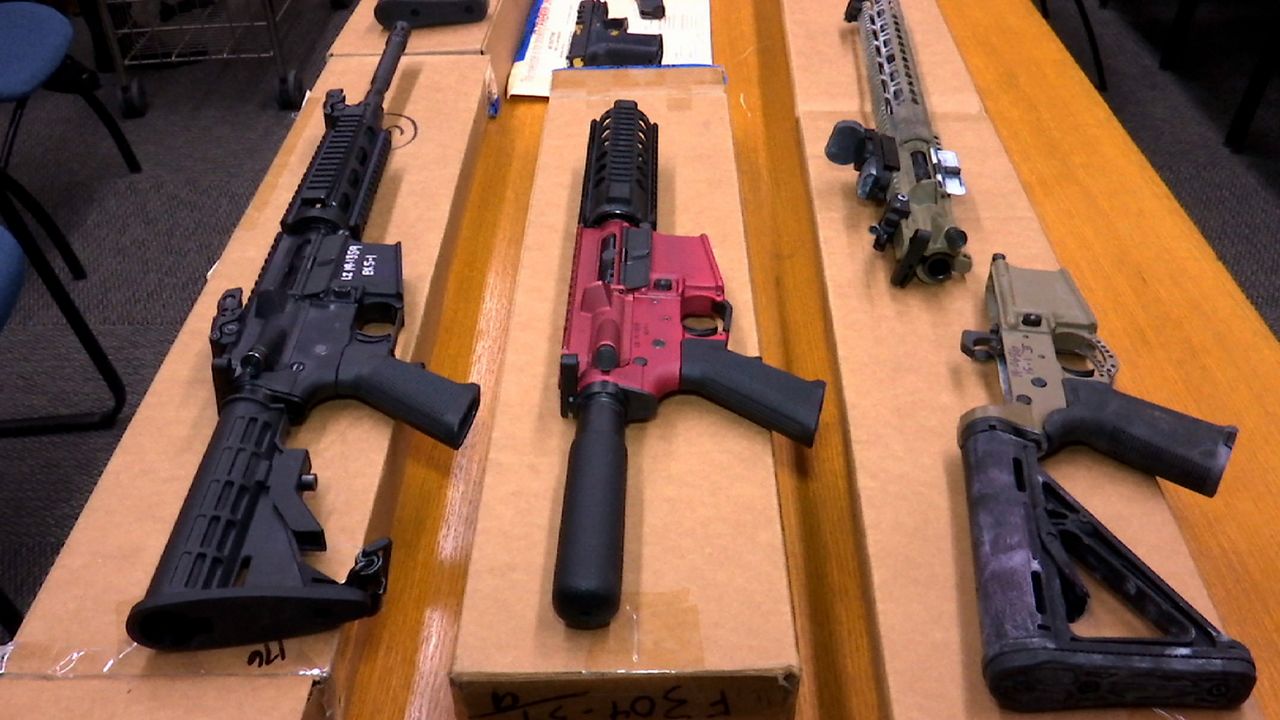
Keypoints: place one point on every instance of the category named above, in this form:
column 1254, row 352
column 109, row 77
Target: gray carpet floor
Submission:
column 148, row 239
column 1179, row 119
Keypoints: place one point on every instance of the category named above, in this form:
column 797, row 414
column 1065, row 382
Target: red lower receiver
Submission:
column 636, row 296
column 646, row 317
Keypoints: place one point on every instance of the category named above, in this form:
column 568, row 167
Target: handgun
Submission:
column 600, row 41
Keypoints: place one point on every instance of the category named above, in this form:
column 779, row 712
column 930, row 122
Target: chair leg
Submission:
column 1100, row 81
column 1267, row 68
column 113, row 127
column 75, row 78
column 1176, row 39
column 10, row 616
column 97, row 355
column 46, row 222
column 11, row 134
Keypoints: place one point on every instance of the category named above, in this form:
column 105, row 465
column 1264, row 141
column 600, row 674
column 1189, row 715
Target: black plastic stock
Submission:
column 587, row 587
column 1145, row 436
column 771, row 398
column 231, row 572
column 1025, row 531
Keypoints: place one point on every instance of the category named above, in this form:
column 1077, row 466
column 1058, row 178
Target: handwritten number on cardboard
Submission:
column 267, row 654
column 675, row 704
column 721, row 705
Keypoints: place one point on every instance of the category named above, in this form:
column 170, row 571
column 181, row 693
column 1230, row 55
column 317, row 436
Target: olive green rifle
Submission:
column 900, row 163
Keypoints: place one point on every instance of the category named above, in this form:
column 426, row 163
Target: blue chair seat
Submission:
column 13, row 269
column 33, row 40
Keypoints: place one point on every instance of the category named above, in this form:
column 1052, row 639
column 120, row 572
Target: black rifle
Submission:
column 232, row 572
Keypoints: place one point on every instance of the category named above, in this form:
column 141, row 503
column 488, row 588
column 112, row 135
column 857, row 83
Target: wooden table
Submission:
column 1184, row 331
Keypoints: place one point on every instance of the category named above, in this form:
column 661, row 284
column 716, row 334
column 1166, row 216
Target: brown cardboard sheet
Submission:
column 142, row 698
column 827, row 62
column 75, row 628
column 498, row 35
column 706, row 608
column 906, row 384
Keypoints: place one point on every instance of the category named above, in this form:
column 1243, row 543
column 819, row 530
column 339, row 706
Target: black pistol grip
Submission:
column 408, row 392
column 587, row 586
column 1145, row 436
column 771, row 398
column 231, row 572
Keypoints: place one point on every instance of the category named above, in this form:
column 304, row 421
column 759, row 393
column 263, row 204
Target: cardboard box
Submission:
column 75, row 629
column 906, row 390
column 499, row 36
column 144, row 697
column 706, row 618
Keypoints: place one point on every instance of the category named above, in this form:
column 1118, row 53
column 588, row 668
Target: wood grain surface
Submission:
column 1185, row 333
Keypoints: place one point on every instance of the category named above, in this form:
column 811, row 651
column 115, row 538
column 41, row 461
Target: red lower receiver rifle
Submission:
column 647, row 317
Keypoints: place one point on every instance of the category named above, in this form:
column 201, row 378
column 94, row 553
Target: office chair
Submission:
column 14, row 232
column 1266, row 67
column 1099, row 73
column 34, row 40
column 13, row 266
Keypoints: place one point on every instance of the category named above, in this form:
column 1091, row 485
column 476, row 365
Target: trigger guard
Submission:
column 1104, row 363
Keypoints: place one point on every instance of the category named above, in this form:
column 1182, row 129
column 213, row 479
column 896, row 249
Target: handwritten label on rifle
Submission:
column 676, row 702
column 267, row 654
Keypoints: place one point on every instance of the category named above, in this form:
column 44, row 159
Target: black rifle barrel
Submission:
column 397, row 41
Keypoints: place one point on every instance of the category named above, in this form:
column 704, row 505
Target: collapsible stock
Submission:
column 231, row 572
column 1026, row 530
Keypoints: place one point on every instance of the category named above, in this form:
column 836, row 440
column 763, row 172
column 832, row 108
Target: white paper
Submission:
column 686, row 39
